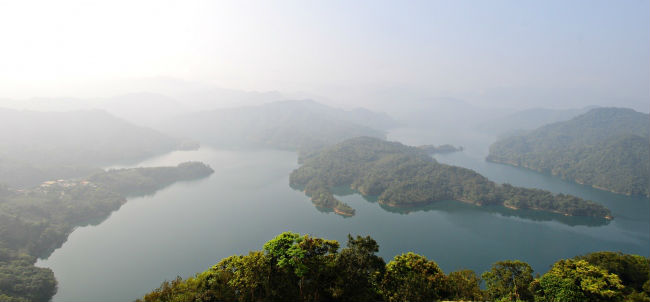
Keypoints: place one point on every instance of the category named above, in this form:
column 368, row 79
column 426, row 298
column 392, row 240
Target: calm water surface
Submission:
column 189, row 226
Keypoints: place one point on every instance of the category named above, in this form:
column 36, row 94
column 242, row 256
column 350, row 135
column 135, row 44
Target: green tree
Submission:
column 509, row 281
column 284, row 283
column 577, row 280
column 411, row 277
column 357, row 270
column 249, row 275
column 464, row 285
column 310, row 259
column 633, row 270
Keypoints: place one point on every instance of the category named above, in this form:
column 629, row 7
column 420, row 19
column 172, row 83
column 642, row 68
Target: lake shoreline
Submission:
column 509, row 163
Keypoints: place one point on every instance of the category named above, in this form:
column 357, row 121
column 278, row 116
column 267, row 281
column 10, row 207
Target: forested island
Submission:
column 36, row 221
column 606, row 148
column 404, row 176
column 294, row 267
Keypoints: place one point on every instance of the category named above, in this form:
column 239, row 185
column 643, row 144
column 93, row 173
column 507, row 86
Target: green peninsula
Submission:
column 403, row 176
column 36, row 221
column 606, row 148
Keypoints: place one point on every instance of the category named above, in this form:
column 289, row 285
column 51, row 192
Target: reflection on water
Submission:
column 459, row 207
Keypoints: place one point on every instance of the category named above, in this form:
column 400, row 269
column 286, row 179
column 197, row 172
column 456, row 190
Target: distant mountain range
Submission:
column 147, row 108
column 289, row 125
column 607, row 148
column 37, row 146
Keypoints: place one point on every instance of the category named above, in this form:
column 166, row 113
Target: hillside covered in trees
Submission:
column 34, row 222
column 38, row 146
column 403, row 176
column 290, row 125
column 294, row 267
column 607, row 148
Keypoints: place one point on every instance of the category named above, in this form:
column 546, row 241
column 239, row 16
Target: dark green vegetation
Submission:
column 292, row 267
column 38, row 146
column 140, row 181
column 404, row 176
column 289, row 125
column 607, row 148
column 601, row 276
column 34, row 222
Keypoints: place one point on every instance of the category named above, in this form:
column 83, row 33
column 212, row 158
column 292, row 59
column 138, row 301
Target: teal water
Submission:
column 189, row 226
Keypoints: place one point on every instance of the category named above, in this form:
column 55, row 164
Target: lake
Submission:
column 188, row 226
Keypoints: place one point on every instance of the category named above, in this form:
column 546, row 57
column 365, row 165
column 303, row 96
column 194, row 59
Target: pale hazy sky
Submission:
column 554, row 53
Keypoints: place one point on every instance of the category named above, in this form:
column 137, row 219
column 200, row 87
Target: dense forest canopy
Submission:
column 294, row 267
column 607, row 148
column 404, row 176
column 291, row 125
column 34, row 222
column 38, row 146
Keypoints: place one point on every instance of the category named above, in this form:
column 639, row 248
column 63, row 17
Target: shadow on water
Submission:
column 151, row 191
column 455, row 207
column 623, row 207
column 340, row 191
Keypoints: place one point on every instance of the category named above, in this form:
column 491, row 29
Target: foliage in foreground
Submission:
column 294, row 267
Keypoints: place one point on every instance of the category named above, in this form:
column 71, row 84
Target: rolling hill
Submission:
column 37, row 146
column 607, row 148
column 291, row 125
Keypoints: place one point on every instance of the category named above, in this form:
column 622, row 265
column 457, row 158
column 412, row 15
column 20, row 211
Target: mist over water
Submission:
column 141, row 141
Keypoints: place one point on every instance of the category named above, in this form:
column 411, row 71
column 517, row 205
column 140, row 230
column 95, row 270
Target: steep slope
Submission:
column 608, row 148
